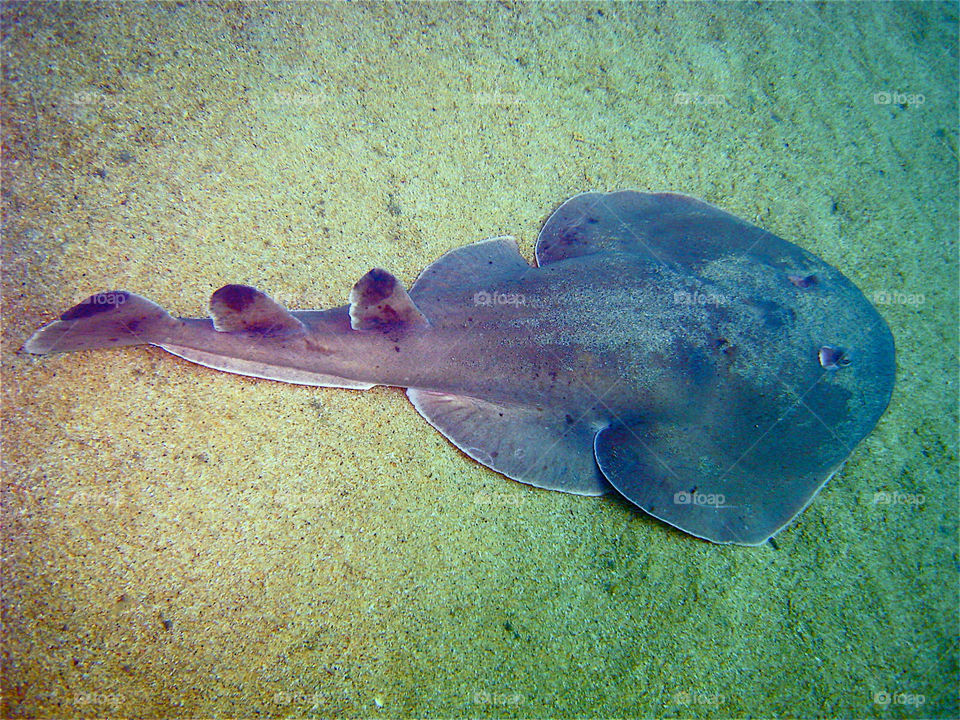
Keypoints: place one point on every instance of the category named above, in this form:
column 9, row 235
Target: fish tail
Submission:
column 107, row 319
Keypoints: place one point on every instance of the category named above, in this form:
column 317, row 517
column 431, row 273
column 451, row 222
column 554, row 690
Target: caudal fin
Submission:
column 107, row 319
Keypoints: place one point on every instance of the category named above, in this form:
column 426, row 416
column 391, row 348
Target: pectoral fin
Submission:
column 536, row 446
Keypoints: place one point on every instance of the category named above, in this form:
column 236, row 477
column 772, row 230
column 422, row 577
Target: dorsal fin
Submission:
column 379, row 302
column 241, row 308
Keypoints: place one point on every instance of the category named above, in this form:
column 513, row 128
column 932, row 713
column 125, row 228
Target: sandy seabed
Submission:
column 183, row 543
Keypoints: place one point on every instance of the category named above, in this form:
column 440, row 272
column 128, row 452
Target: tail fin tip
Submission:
column 106, row 319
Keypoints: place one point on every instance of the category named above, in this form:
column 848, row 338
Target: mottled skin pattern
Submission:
column 662, row 346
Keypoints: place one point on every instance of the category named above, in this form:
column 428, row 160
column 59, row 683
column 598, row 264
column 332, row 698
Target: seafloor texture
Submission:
column 184, row 543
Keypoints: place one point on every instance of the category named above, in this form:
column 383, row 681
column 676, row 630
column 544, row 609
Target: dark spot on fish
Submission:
column 376, row 285
column 773, row 544
column 385, row 320
column 700, row 368
column 724, row 346
column 772, row 314
column 236, row 297
column 569, row 419
column 94, row 305
column 396, row 348
column 802, row 281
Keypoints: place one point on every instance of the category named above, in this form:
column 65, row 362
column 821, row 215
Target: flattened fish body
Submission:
column 712, row 373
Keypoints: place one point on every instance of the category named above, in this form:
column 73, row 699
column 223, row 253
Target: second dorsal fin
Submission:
column 379, row 302
column 241, row 308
